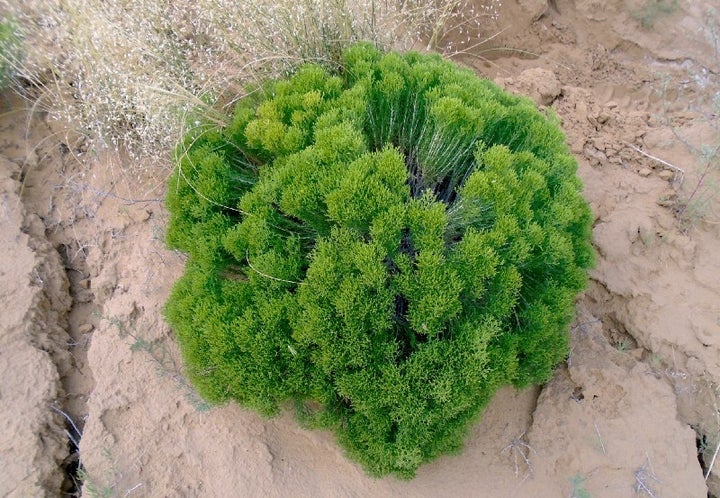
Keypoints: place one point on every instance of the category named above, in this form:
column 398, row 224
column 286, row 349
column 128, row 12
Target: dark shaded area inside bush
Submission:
column 382, row 247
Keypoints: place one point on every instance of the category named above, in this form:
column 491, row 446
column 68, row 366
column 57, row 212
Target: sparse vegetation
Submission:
column 652, row 9
column 382, row 245
column 578, row 487
column 108, row 485
column 699, row 200
column 92, row 489
column 623, row 345
column 699, row 188
column 166, row 363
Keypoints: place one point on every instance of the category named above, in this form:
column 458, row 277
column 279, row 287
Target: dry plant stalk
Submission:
column 518, row 446
column 138, row 74
column 712, row 461
column 642, row 477
column 672, row 167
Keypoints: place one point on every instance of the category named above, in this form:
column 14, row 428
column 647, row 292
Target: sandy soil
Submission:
column 633, row 411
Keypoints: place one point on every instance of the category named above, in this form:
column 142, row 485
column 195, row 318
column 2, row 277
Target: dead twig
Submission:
column 642, row 475
column 129, row 491
column 712, row 462
column 519, row 447
column 69, row 419
column 600, row 439
column 661, row 161
column 72, row 439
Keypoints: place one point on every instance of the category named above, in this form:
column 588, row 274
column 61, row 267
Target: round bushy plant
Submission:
column 382, row 246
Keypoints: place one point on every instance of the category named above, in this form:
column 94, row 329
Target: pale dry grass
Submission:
column 134, row 74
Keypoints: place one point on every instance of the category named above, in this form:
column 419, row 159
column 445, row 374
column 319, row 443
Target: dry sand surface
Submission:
column 633, row 412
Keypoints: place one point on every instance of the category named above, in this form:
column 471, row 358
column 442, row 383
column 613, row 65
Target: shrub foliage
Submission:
column 382, row 246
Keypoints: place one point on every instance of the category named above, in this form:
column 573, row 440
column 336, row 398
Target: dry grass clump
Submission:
column 132, row 74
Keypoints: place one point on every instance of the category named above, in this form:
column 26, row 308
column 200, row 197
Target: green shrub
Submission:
column 382, row 247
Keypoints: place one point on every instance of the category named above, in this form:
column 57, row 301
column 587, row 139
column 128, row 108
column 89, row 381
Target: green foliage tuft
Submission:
column 383, row 247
